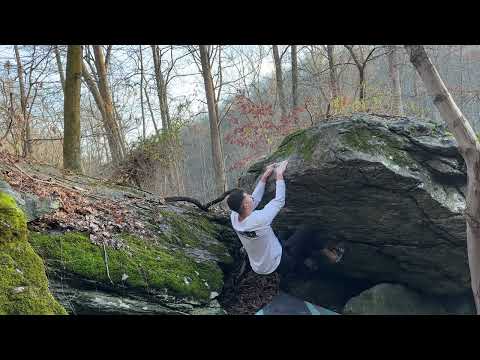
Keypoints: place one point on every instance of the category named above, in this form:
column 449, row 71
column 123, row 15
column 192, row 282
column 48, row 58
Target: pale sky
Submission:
column 190, row 87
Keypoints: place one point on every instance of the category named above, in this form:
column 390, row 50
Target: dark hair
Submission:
column 235, row 199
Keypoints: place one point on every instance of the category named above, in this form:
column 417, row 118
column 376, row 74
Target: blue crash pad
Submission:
column 284, row 304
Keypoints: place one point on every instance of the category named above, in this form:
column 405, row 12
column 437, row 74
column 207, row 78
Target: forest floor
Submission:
column 250, row 292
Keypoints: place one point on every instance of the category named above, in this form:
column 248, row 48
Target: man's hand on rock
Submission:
column 268, row 172
column 280, row 169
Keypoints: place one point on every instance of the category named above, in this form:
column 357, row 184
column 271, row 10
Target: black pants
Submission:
column 297, row 247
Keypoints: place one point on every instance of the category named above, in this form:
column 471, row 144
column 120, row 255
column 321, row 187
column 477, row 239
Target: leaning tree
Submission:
column 469, row 147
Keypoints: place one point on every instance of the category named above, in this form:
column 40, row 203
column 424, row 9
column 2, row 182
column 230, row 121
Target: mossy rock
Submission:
column 144, row 266
column 376, row 142
column 23, row 283
column 301, row 142
column 195, row 231
column 13, row 225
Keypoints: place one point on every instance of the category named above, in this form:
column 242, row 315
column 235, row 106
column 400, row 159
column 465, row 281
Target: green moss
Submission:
column 146, row 265
column 206, row 225
column 293, row 135
column 13, row 225
column 196, row 231
column 187, row 229
column 181, row 231
column 23, row 283
column 219, row 251
column 373, row 142
column 301, row 142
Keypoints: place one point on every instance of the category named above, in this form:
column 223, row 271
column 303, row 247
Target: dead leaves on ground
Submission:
column 101, row 218
column 250, row 293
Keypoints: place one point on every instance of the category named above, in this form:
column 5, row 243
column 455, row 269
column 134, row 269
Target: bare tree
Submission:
column 279, row 79
column 150, row 109
column 102, row 97
column 469, row 147
column 29, row 75
column 395, row 80
column 71, row 142
column 332, row 72
column 294, row 76
column 161, row 86
column 361, row 64
column 141, row 93
column 59, row 66
column 220, row 180
column 27, row 149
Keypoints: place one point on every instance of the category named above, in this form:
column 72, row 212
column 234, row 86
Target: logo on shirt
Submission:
column 249, row 234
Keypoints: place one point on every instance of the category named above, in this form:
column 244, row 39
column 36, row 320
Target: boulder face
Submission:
column 391, row 188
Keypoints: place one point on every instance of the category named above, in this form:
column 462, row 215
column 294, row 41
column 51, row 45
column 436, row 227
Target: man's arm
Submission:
column 268, row 213
column 260, row 188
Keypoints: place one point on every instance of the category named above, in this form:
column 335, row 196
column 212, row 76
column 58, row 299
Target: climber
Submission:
column 253, row 227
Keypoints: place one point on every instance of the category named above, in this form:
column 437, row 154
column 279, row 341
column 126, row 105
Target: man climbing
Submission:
column 254, row 230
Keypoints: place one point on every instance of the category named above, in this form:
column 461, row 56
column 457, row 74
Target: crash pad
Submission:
column 285, row 304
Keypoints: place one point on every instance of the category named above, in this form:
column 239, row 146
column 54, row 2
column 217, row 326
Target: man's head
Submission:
column 240, row 201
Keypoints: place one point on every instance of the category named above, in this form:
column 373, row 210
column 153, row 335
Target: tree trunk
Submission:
column 141, row 94
column 395, row 80
column 415, row 85
column 361, row 65
column 220, row 180
column 333, row 72
column 294, row 76
column 469, row 147
column 116, row 140
column 27, row 147
column 361, row 73
column 161, row 87
column 150, row 110
column 279, row 79
column 71, row 109
column 91, row 84
column 60, row 67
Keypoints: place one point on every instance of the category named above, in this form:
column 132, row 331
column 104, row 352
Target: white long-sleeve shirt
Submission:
column 255, row 233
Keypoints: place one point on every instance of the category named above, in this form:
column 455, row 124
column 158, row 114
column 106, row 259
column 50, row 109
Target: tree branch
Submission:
column 196, row 202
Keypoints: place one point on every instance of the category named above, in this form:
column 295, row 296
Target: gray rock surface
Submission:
column 391, row 299
column 391, row 188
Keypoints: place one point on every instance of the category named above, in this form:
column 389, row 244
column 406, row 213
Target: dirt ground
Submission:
column 247, row 294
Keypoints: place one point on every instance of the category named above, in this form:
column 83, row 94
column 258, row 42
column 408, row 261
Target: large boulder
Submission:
column 391, row 188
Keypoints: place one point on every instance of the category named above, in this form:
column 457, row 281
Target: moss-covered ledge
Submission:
column 23, row 283
column 143, row 265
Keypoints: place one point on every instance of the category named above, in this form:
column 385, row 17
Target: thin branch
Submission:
column 284, row 51
column 106, row 262
column 354, row 57
column 368, row 56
